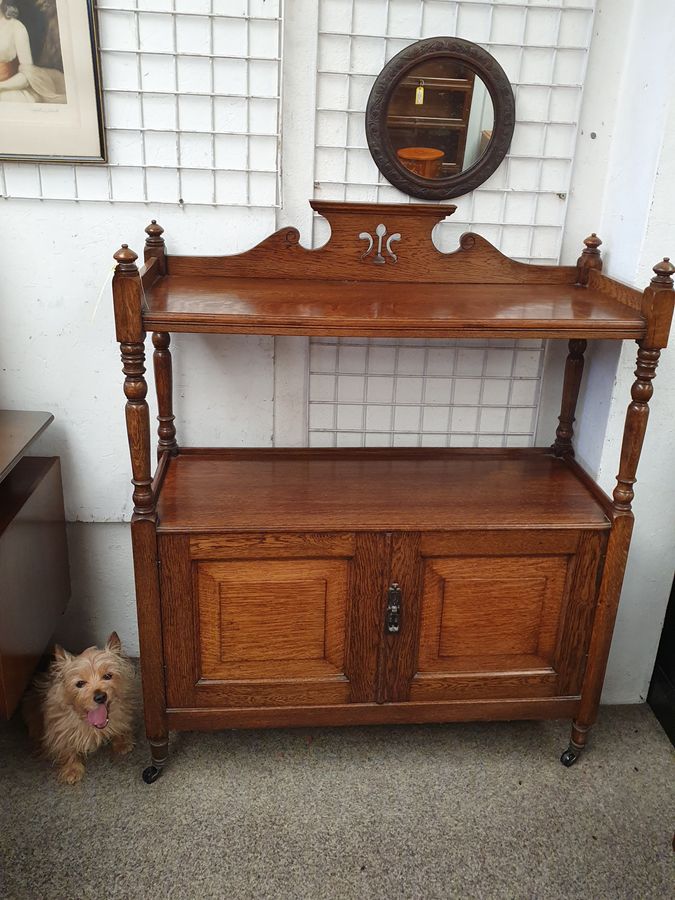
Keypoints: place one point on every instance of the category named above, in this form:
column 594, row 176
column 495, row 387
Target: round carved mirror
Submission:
column 440, row 118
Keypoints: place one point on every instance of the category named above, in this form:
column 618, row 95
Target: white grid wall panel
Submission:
column 447, row 393
column 389, row 393
column 192, row 107
column 543, row 48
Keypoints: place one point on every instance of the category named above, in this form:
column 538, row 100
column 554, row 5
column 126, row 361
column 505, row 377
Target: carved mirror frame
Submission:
column 503, row 102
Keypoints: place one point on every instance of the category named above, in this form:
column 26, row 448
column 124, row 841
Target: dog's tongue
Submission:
column 99, row 716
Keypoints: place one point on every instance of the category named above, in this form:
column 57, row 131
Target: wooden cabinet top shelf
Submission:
column 294, row 306
column 380, row 274
column 374, row 489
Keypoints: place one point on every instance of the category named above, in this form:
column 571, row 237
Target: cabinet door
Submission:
column 270, row 619
column 501, row 615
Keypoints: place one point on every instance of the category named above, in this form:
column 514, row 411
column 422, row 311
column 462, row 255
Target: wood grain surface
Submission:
column 347, row 256
column 509, row 616
column 582, row 594
column 300, row 306
column 268, row 630
column 490, row 626
column 625, row 294
column 398, row 652
column 314, row 490
column 482, row 607
column 469, row 710
column 273, row 618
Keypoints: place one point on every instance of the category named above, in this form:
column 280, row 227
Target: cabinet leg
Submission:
column 159, row 751
column 577, row 743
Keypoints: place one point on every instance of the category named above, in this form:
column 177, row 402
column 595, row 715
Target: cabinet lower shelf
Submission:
column 352, row 489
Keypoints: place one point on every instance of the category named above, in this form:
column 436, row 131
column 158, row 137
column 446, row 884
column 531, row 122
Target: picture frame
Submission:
column 51, row 100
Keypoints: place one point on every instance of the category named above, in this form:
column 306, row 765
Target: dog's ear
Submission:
column 61, row 655
column 114, row 644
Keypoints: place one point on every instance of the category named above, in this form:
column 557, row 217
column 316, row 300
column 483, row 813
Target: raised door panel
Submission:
column 488, row 614
column 500, row 622
column 270, row 620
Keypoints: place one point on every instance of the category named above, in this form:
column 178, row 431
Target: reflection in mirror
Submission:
column 440, row 118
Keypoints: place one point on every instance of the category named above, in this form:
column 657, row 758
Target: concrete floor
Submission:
column 470, row 811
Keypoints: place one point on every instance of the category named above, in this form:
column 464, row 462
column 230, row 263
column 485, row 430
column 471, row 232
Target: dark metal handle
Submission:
column 394, row 598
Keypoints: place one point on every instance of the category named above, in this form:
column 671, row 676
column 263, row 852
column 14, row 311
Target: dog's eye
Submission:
column 80, row 684
column 107, row 676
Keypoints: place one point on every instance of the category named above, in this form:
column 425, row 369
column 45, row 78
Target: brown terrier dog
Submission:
column 80, row 704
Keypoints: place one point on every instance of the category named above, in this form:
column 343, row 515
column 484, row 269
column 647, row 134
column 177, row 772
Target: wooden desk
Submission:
column 34, row 576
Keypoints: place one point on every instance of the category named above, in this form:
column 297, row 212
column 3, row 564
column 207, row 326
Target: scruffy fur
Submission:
column 55, row 708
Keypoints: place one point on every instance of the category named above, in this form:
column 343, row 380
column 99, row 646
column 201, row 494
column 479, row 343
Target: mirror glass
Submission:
column 439, row 118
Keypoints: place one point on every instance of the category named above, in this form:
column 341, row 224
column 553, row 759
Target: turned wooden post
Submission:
column 574, row 369
column 590, row 259
column 128, row 300
column 635, row 427
column 161, row 358
column 574, row 366
column 657, row 308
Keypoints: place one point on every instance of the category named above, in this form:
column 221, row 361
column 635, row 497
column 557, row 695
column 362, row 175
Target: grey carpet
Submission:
column 470, row 811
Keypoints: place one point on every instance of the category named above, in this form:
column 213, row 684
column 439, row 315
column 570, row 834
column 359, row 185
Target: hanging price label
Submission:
column 419, row 95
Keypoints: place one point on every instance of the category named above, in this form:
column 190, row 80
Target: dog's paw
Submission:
column 71, row 772
column 122, row 744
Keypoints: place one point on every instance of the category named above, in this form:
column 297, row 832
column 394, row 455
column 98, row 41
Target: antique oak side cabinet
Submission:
column 339, row 586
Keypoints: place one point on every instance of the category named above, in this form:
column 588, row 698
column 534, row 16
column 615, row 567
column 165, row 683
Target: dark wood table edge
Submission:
column 49, row 418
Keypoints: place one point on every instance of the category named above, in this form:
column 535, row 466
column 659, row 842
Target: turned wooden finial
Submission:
column 590, row 258
column 154, row 235
column 154, row 246
column 126, row 261
column 663, row 272
column 592, row 243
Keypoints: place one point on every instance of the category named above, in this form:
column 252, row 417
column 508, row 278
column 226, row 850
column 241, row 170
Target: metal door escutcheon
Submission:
column 393, row 608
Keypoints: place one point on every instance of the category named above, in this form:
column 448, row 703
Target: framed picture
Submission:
column 51, row 108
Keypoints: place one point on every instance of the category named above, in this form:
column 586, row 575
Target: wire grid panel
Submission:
column 447, row 393
column 543, row 48
column 192, row 102
column 416, row 393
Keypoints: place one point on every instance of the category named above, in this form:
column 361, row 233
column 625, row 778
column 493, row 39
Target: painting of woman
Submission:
column 20, row 80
